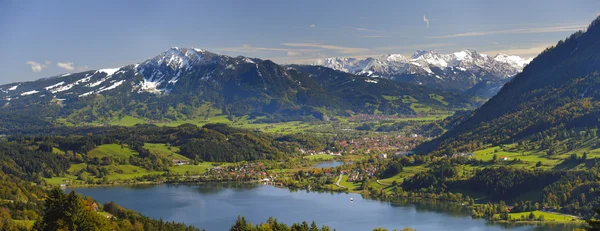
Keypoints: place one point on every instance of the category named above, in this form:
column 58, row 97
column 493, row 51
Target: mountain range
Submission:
column 554, row 99
column 176, row 83
column 467, row 71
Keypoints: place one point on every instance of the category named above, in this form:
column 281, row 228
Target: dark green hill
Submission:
column 378, row 95
column 559, row 90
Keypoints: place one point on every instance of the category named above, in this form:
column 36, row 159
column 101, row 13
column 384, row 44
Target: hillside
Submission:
column 378, row 95
column 186, row 83
column 556, row 98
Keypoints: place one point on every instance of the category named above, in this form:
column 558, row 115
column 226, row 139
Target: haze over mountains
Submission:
column 465, row 71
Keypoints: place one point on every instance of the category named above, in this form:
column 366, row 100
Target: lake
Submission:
column 329, row 164
column 215, row 206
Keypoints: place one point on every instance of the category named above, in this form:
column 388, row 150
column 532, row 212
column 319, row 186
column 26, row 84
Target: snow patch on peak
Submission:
column 395, row 58
column 464, row 68
column 151, row 86
column 108, row 71
column 512, row 60
column 54, row 86
column 420, row 53
column 461, row 55
column 29, row 93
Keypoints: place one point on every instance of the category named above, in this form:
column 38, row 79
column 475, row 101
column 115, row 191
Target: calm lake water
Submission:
column 329, row 164
column 216, row 206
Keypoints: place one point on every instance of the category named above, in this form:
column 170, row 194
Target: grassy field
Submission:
column 57, row 151
column 116, row 173
column 163, row 150
column 440, row 116
column 112, row 150
column 548, row 216
column 352, row 186
column 406, row 171
column 438, row 98
column 127, row 121
column 528, row 158
column 194, row 169
column 128, row 172
column 57, row 181
column 76, row 167
column 319, row 157
column 198, row 121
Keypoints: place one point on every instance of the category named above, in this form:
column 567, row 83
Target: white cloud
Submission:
column 312, row 26
column 377, row 36
column 294, row 53
column 37, row 67
column 516, row 31
column 247, row 48
column 426, row 20
column 528, row 52
column 340, row 49
column 67, row 66
column 360, row 29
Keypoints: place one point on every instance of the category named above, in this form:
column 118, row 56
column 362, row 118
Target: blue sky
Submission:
column 46, row 38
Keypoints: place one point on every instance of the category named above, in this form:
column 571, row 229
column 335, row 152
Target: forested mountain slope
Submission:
column 558, row 91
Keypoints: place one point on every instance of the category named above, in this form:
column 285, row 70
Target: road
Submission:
column 338, row 182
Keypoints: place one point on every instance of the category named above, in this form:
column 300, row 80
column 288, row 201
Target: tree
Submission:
column 495, row 158
column 66, row 212
column 531, row 216
column 241, row 225
column 593, row 224
column 313, row 227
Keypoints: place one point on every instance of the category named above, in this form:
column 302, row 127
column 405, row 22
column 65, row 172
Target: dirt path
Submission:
column 338, row 181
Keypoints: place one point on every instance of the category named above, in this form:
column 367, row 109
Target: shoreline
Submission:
column 361, row 193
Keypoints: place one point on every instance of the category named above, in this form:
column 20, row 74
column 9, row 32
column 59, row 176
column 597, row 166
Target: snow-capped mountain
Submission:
column 173, row 84
column 457, row 71
column 157, row 75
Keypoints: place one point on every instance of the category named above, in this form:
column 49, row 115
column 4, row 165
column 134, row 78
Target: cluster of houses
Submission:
column 357, row 175
column 372, row 118
column 399, row 145
column 462, row 154
column 313, row 152
column 253, row 170
column 384, row 143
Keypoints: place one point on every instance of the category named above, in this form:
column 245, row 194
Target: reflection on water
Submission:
column 215, row 188
column 215, row 206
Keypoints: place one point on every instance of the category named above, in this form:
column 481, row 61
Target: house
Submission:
column 382, row 156
column 401, row 154
column 180, row 162
column 462, row 154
